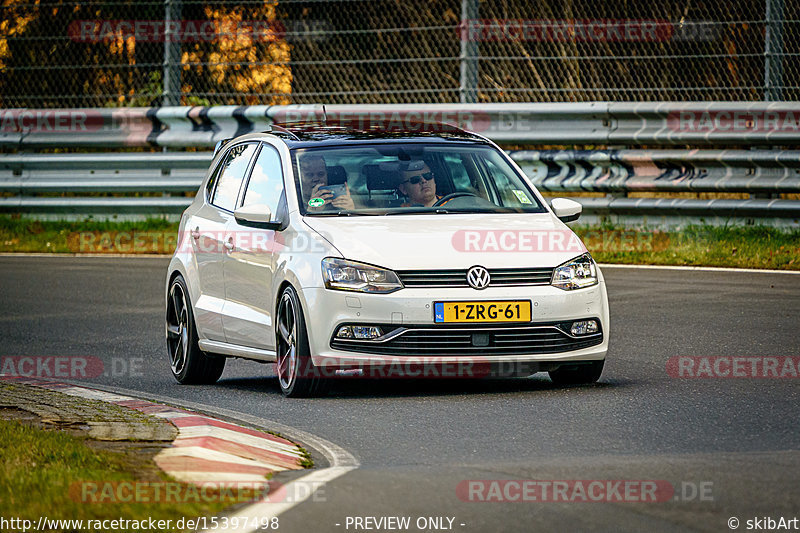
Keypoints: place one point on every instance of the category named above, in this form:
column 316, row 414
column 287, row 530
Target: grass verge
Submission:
column 19, row 234
column 737, row 246
column 45, row 473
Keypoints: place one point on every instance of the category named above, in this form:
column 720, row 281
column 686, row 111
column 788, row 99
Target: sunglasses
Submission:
column 415, row 180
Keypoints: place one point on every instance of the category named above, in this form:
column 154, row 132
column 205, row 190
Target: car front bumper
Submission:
column 325, row 310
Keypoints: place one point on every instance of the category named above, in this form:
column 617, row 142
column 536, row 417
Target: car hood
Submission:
column 451, row 241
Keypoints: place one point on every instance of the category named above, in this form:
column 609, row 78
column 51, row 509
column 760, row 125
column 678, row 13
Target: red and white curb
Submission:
column 247, row 519
column 207, row 451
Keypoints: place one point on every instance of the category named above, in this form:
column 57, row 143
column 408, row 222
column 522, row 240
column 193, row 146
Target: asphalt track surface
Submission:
column 738, row 440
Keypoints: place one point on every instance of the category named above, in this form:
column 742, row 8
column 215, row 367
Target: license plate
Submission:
column 513, row 311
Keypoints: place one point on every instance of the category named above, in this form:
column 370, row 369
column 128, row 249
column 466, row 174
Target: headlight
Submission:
column 576, row 274
column 344, row 275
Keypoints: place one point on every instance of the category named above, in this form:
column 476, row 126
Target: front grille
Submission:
column 458, row 340
column 500, row 277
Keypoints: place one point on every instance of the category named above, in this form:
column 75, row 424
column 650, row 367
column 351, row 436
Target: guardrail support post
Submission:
column 468, row 88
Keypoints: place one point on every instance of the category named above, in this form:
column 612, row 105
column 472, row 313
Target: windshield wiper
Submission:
column 420, row 210
column 334, row 214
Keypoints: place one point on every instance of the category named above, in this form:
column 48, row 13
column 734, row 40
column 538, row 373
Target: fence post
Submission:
column 468, row 88
column 773, row 51
column 171, row 95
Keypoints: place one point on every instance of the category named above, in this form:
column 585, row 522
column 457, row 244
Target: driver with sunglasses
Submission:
column 418, row 185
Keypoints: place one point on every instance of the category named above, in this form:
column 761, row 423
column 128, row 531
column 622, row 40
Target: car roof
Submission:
column 316, row 134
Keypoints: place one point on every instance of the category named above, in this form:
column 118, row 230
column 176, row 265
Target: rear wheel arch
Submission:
column 174, row 274
column 190, row 365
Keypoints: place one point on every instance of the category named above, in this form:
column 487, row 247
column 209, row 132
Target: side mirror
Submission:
column 256, row 216
column 565, row 209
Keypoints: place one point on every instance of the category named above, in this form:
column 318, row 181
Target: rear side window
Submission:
column 230, row 174
column 266, row 180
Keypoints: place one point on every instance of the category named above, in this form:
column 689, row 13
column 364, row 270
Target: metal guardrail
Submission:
column 787, row 210
column 92, row 206
column 620, row 171
column 598, row 123
column 28, row 176
column 111, row 173
column 28, row 182
column 617, row 172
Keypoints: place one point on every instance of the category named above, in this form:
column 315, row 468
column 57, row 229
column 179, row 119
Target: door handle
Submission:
column 229, row 244
column 195, row 233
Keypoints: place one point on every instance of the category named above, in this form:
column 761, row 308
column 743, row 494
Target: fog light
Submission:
column 583, row 327
column 345, row 332
column 359, row 332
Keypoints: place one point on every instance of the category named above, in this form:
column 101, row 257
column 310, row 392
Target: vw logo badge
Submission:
column 478, row 277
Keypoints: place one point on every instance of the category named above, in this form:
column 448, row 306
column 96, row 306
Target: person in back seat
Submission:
column 313, row 177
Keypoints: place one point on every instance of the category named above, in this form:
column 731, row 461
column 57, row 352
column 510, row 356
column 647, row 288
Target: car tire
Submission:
column 190, row 365
column 582, row 374
column 297, row 375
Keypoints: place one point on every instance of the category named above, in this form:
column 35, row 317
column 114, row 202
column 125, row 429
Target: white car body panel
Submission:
column 248, row 294
column 210, row 226
column 425, row 242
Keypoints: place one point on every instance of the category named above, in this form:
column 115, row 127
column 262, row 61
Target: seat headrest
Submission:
column 382, row 177
column 336, row 175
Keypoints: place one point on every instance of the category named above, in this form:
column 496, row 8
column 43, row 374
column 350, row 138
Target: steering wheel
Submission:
column 447, row 198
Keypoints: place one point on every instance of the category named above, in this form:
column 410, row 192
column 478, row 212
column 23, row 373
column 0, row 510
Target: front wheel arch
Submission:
column 294, row 356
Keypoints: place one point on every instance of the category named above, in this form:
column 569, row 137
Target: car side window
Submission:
column 266, row 180
column 455, row 164
column 229, row 178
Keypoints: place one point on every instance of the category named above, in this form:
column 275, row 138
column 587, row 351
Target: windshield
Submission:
column 397, row 179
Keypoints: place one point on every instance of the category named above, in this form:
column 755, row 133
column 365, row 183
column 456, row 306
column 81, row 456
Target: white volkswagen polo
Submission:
column 339, row 251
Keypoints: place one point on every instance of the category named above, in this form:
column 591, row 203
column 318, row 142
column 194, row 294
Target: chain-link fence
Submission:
column 190, row 52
